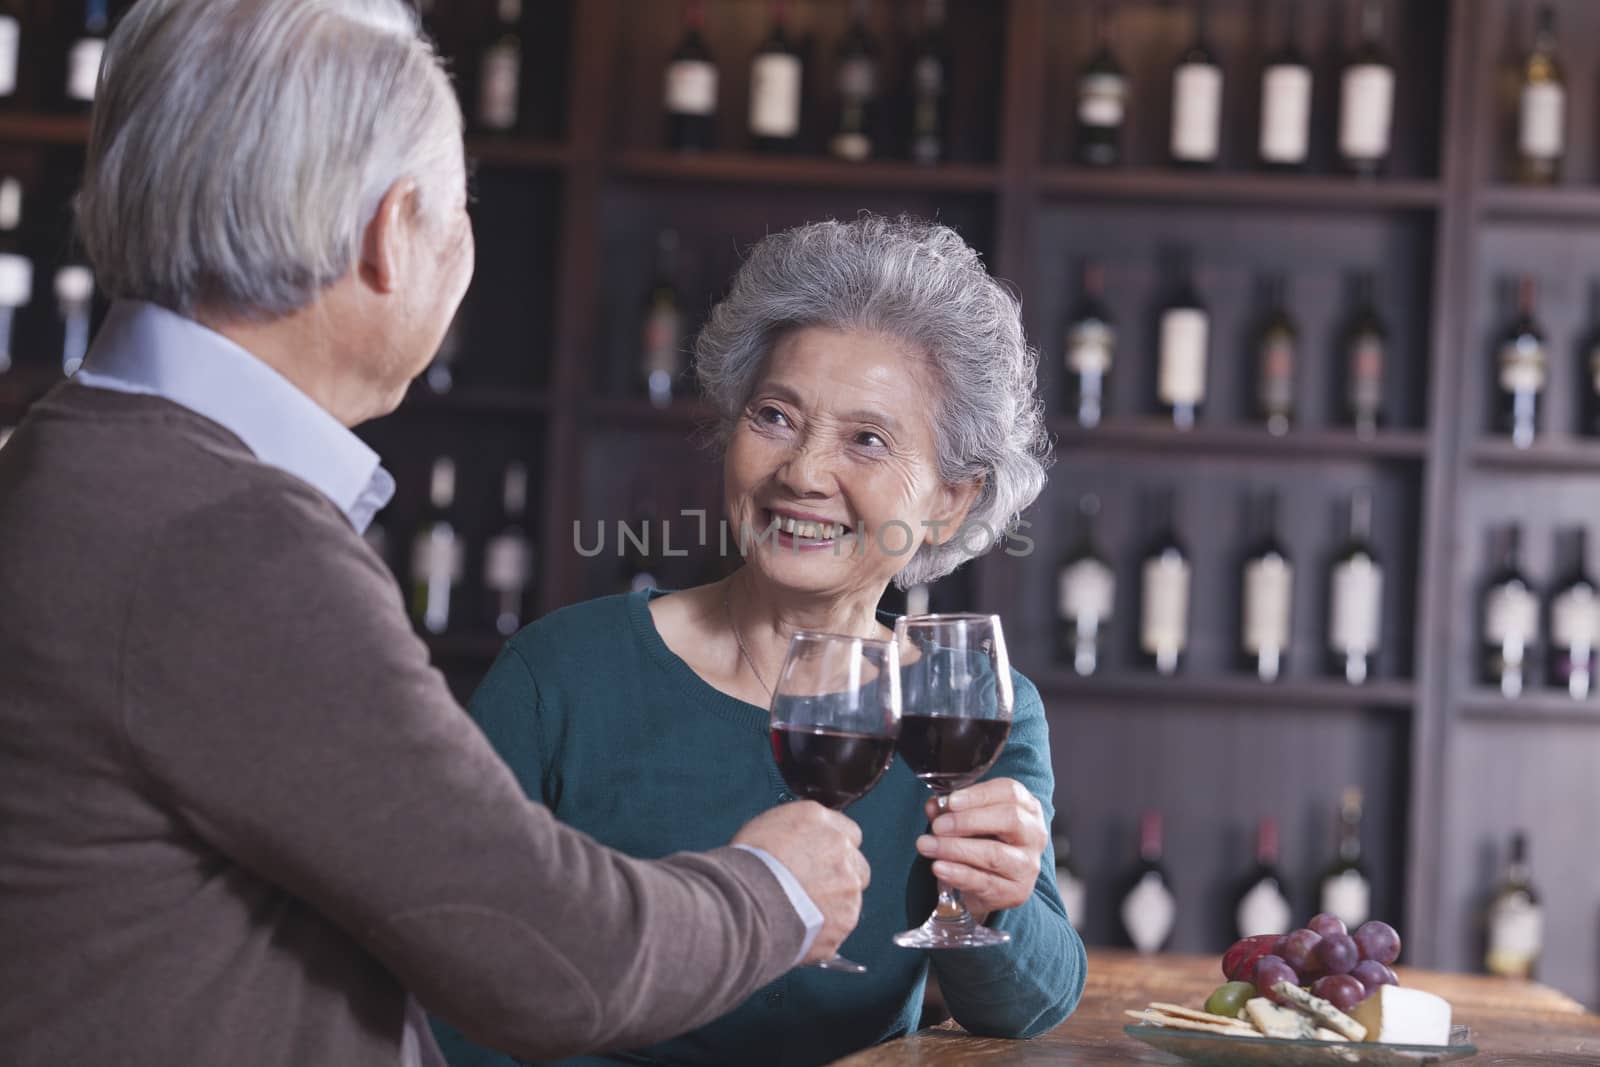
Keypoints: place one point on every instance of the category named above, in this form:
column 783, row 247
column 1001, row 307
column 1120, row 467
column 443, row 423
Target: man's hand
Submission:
column 822, row 849
column 987, row 842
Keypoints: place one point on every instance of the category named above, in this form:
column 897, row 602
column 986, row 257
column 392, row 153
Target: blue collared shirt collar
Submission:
column 146, row 349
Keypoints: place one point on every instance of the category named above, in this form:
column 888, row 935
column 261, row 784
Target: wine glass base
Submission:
column 839, row 964
column 951, row 933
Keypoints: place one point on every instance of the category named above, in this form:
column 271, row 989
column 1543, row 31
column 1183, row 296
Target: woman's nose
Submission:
column 807, row 471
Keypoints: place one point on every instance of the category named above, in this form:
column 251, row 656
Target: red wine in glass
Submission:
column 949, row 753
column 833, row 768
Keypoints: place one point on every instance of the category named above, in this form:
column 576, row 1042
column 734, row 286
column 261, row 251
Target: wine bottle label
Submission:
column 927, row 77
column 858, row 78
column 1366, row 111
column 507, row 563
column 1286, row 114
column 1182, row 376
column 1357, row 609
column 663, row 341
column 1542, row 129
column 1264, row 910
column 775, row 95
column 16, row 281
column 691, row 87
column 1074, row 896
column 83, row 68
column 10, row 43
column 1164, row 626
column 1196, row 112
column 438, row 555
column 1086, row 590
column 851, row 145
column 1348, row 897
column 1366, row 374
column 1276, row 387
column 1090, row 348
column 1102, row 99
column 1268, row 595
column 1523, row 367
column 1516, row 936
column 1511, row 616
column 1148, row 913
column 498, row 89
column 1575, row 619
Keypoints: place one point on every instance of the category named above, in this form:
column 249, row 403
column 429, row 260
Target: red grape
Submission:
column 1325, row 924
column 1337, row 954
column 1270, row 970
column 1240, row 961
column 1378, row 941
column 1340, row 990
column 1298, row 950
column 1372, row 974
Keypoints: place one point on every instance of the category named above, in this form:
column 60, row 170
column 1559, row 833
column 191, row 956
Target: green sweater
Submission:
column 603, row 723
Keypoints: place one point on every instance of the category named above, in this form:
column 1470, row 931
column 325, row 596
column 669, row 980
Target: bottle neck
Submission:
column 694, row 15
column 1150, row 838
column 1511, row 552
column 1372, row 22
column 1544, row 36
column 1360, row 517
column 1267, row 843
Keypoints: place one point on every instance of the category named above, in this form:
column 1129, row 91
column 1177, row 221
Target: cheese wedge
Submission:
column 1396, row 1015
column 1278, row 1022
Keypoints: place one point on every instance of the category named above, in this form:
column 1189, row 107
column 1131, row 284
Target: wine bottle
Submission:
column 1522, row 366
column 1589, row 364
column 1069, row 883
column 74, row 287
column 1366, row 98
column 1164, row 601
column 1185, row 343
column 1277, row 349
column 1091, row 350
column 438, row 557
column 1261, row 905
column 1365, row 340
column 776, row 76
column 1515, row 919
column 1268, row 597
column 1346, row 890
column 500, row 72
column 662, row 338
column 1574, row 623
column 1149, row 907
column 1355, row 599
column 690, row 90
column 1510, row 620
column 930, row 88
column 1102, row 99
column 1197, row 101
column 10, row 51
column 1542, row 110
column 919, row 599
column 508, row 557
column 16, row 269
column 1086, row 594
column 83, row 58
column 1286, row 101
column 857, row 89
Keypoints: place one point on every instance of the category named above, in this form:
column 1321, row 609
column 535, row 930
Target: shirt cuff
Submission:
column 799, row 899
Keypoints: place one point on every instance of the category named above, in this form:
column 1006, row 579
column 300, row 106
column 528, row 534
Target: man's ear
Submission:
column 386, row 244
column 951, row 509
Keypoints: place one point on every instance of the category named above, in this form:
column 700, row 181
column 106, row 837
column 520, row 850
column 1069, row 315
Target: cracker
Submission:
column 1198, row 1016
column 1174, row 1022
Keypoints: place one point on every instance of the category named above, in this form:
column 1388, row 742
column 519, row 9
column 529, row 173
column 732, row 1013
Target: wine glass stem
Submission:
column 950, row 908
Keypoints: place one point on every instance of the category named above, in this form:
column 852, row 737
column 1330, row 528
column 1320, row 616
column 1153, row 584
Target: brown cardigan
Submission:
column 241, row 816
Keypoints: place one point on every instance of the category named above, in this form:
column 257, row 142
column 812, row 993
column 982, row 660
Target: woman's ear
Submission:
column 951, row 509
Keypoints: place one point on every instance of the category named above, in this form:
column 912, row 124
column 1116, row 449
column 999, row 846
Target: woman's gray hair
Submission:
column 919, row 283
column 240, row 147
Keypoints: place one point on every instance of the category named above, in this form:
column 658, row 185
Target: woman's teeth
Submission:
column 810, row 531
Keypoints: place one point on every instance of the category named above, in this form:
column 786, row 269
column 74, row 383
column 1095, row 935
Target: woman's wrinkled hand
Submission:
column 988, row 842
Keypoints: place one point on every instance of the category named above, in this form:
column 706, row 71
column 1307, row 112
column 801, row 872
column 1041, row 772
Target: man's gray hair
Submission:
column 919, row 283
column 240, row 147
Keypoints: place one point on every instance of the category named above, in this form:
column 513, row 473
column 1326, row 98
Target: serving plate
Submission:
column 1220, row 1050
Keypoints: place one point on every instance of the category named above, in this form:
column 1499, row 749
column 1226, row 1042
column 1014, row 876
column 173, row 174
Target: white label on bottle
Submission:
column 438, row 555
column 1575, row 618
column 1542, row 131
column 1196, row 112
column 1090, row 348
column 1357, row 610
column 10, row 42
column 1268, row 594
column 1182, row 377
column 928, row 76
column 1074, row 896
column 16, row 281
column 1164, row 627
column 1148, row 913
column 1264, row 910
column 83, row 68
column 775, row 95
column 1366, row 111
column 1348, row 897
column 1366, row 374
column 1516, row 935
column 1522, row 367
column 1086, row 590
column 1102, row 99
column 858, row 78
column 507, row 561
column 691, row 87
column 1511, row 616
column 1285, row 114
column 663, row 341
column 853, row 146
column 498, row 90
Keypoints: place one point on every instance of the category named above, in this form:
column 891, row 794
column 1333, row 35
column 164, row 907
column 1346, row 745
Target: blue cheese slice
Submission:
column 1403, row 1016
column 1274, row 1021
column 1321, row 1011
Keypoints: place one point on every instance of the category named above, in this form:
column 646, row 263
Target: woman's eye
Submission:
column 772, row 415
column 869, row 439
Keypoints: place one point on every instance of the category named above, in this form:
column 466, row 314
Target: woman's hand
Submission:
column 987, row 842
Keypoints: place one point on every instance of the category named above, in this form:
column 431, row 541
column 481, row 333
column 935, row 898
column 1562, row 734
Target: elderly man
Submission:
column 240, row 816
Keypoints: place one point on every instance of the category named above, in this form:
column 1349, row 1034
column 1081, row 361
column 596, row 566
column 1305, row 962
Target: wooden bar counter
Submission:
column 1512, row 1022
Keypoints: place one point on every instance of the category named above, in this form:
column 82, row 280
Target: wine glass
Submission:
column 957, row 714
column 835, row 716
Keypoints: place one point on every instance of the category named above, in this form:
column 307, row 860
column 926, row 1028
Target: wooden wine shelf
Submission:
column 809, row 171
column 1253, row 442
column 45, row 129
column 1542, row 705
column 518, row 152
column 1255, row 190
column 1241, row 692
column 1569, row 204
column 479, row 401
column 1576, row 454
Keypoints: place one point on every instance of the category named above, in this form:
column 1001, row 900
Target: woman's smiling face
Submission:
column 831, row 481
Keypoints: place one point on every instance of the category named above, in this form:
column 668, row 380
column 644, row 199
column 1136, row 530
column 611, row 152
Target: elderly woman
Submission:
column 867, row 374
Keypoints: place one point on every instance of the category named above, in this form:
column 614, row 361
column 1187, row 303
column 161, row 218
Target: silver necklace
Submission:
column 727, row 602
